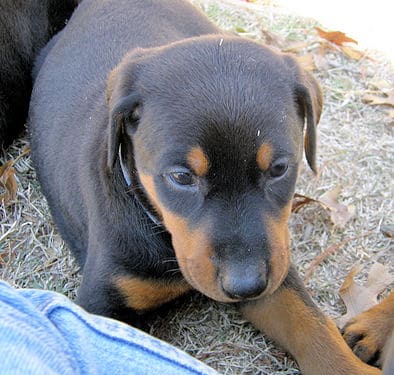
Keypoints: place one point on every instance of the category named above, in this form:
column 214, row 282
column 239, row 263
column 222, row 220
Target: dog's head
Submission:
column 216, row 128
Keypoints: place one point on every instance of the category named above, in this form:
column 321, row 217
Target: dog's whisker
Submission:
column 169, row 260
column 155, row 233
column 173, row 271
column 156, row 226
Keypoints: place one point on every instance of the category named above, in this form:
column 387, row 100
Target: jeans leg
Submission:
column 42, row 332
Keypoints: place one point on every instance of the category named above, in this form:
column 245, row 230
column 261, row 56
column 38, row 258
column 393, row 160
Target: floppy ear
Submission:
column 309, row 98
column 309, row 95
column 123, row 101
column 121, row 115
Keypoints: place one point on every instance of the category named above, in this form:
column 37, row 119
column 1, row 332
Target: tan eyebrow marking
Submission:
column 198, row 161
column 264, row 156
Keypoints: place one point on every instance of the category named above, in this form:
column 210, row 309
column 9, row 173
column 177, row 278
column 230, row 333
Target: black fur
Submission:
column 177, row 82
column 25, row 27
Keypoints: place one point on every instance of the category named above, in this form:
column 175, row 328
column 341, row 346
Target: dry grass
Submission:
column 355, row 152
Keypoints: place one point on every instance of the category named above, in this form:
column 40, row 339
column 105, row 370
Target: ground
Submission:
column 355, row 152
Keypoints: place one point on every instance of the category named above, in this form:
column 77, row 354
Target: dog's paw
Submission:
column 368, row 332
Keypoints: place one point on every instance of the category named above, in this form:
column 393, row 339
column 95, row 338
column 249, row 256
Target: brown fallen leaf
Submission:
column 372, row 99
column 296, row 47
column 321, row 62
column 307, row 61
column 353, row 53
column 358, row 298
column 8, row 183
column 272, row 39
column 387, row 230
column 340, row 214
column 300, row 201
column 335, row 37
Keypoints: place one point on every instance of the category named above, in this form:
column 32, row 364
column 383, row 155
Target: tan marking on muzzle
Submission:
column 279, row 241
column 192, row 248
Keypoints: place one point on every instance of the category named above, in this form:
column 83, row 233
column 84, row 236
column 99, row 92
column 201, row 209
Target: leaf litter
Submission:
column 8, row 183
column 358, row 298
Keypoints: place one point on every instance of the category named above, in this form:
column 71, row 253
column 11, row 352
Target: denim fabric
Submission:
column 43, row 332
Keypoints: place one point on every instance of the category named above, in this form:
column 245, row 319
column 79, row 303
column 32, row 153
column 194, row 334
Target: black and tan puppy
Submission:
column 25, row 27
column 168, row 152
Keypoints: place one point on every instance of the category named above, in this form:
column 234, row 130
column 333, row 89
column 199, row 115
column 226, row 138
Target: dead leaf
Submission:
column 296, row 47
column 387, row 230
column 372, row 99
column 272, row 39
column 336, row 37
column 353, row 53
column 326, row 47
column 321, row 62
column 340, row 214
column 307, row 62
column 300, row 201
column 8, row 183
column 359, row 298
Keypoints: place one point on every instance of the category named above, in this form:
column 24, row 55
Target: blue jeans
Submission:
column 43, row 332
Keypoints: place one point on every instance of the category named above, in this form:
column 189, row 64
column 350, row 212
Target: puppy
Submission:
column 168, row 151
column 25, row 27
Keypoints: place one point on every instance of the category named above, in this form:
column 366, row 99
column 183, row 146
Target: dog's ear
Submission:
column 309, row 98
column 123, row 102
column 122, row 117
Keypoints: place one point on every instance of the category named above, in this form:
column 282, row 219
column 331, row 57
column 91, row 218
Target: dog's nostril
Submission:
column 244, row 287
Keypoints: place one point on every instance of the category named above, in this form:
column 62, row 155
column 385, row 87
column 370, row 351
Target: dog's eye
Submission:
column 183, row 178
column 278, row 168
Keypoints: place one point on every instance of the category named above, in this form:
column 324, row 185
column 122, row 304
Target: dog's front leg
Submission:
column 290, row 318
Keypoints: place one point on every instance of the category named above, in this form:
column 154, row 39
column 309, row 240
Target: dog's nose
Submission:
column 244, row 287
